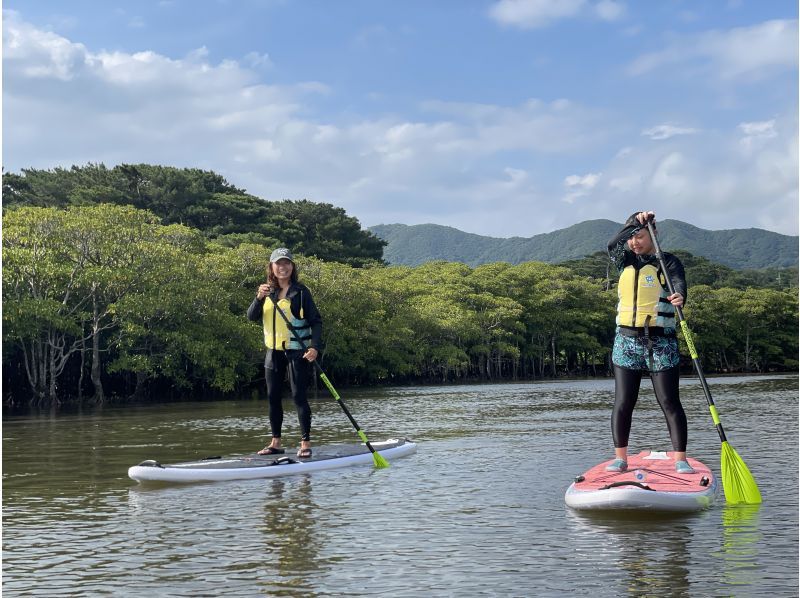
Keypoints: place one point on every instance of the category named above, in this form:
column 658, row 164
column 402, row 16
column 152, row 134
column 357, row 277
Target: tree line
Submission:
column 105, row 301
column 202, row 200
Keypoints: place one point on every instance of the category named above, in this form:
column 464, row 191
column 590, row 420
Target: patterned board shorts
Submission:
column 631, row 352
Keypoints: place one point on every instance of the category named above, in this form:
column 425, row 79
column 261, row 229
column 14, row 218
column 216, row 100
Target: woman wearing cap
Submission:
column 645, row 339
column 285, row 353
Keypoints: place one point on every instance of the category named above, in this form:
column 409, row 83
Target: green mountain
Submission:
column 738, row 248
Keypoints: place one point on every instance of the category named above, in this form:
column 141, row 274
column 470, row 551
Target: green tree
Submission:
column 744, row 330
column 189, row 328
column 327, row 232
column 203, row 200
column 597, row 266
column 708, row 312
column 443, row 327
column 76, row 264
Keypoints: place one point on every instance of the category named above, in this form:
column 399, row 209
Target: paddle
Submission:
column 737, row 481
column 380, row 462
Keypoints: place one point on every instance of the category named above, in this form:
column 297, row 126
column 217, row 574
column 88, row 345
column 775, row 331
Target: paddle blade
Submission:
column 380, row 462
column 737, row 481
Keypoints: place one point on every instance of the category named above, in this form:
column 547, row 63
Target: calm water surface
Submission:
column 478, row 511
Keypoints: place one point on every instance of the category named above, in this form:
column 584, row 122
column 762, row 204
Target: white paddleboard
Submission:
column 255, row 466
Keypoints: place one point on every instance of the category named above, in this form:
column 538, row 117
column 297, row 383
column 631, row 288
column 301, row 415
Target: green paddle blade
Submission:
column 380, row 462
column 737, row 481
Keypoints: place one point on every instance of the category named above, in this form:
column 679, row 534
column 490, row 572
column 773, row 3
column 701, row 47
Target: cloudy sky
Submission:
column 497, row 117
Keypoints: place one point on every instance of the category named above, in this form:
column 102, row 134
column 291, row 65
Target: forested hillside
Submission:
column 744, row 248
column 202, row 200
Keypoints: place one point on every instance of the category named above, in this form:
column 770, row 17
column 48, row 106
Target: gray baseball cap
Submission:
column 281, row 253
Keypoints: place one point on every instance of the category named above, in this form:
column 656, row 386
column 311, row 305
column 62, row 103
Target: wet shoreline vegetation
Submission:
column 105, row 302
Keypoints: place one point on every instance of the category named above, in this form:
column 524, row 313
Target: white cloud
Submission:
column 571, row 198
column 744, row 53
column 39, row 54
column 533, row 14
column 765, row 128
column 536, row 14
column 729, row 179
column 516, row 176
column 470, row 165
column 256, row 60
column 548, row 127
column 670, row 179
column 587, row 181
column 116, row 107
column 609, row 10
column 579, row 186
column 151, row 106
column 665, row 131
column 756, row 135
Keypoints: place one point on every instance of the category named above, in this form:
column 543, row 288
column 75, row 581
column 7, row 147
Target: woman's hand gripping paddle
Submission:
column 380, row 461
column 738, row 483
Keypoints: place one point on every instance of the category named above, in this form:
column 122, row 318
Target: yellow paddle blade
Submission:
column 380, row 462
column 737, row 481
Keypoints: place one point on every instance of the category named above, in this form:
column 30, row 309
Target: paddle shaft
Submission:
column 687, row 335
column 325, row 379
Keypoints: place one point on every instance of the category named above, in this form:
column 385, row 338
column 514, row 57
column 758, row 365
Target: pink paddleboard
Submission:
column 650, row 483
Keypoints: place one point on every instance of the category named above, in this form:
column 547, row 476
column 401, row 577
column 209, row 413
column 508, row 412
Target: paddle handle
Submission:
column 687, row 336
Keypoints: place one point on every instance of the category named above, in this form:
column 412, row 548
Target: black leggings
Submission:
column 275, row 367
column 626, row 391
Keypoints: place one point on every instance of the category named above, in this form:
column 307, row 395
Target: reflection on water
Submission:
column 651, row 553
column 478, row 511
column 289, row 527
column 741, row 537
column 200, row 542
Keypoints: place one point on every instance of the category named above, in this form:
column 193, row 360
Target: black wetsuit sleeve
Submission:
column 617, row 247
column 677, row 274
column 256, row 310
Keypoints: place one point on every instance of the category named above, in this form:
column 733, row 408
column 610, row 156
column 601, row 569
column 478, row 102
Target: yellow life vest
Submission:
column 277, row 334
column 642, row 292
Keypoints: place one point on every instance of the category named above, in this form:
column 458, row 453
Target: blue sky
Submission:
column 497, row 117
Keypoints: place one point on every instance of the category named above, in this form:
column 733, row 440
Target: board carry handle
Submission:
column 628, row 483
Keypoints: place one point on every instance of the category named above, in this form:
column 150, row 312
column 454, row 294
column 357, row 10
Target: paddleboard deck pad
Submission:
column 650, row 483
column 256, row 466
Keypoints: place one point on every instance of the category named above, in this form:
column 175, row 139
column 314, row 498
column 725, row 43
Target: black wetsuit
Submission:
column 627, row 373
column 278, row 362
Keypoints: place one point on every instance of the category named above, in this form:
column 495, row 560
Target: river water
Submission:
column 477, row 511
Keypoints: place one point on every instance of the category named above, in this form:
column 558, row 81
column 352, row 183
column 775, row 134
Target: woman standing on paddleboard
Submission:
column 645, row 340
column 285, row 352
